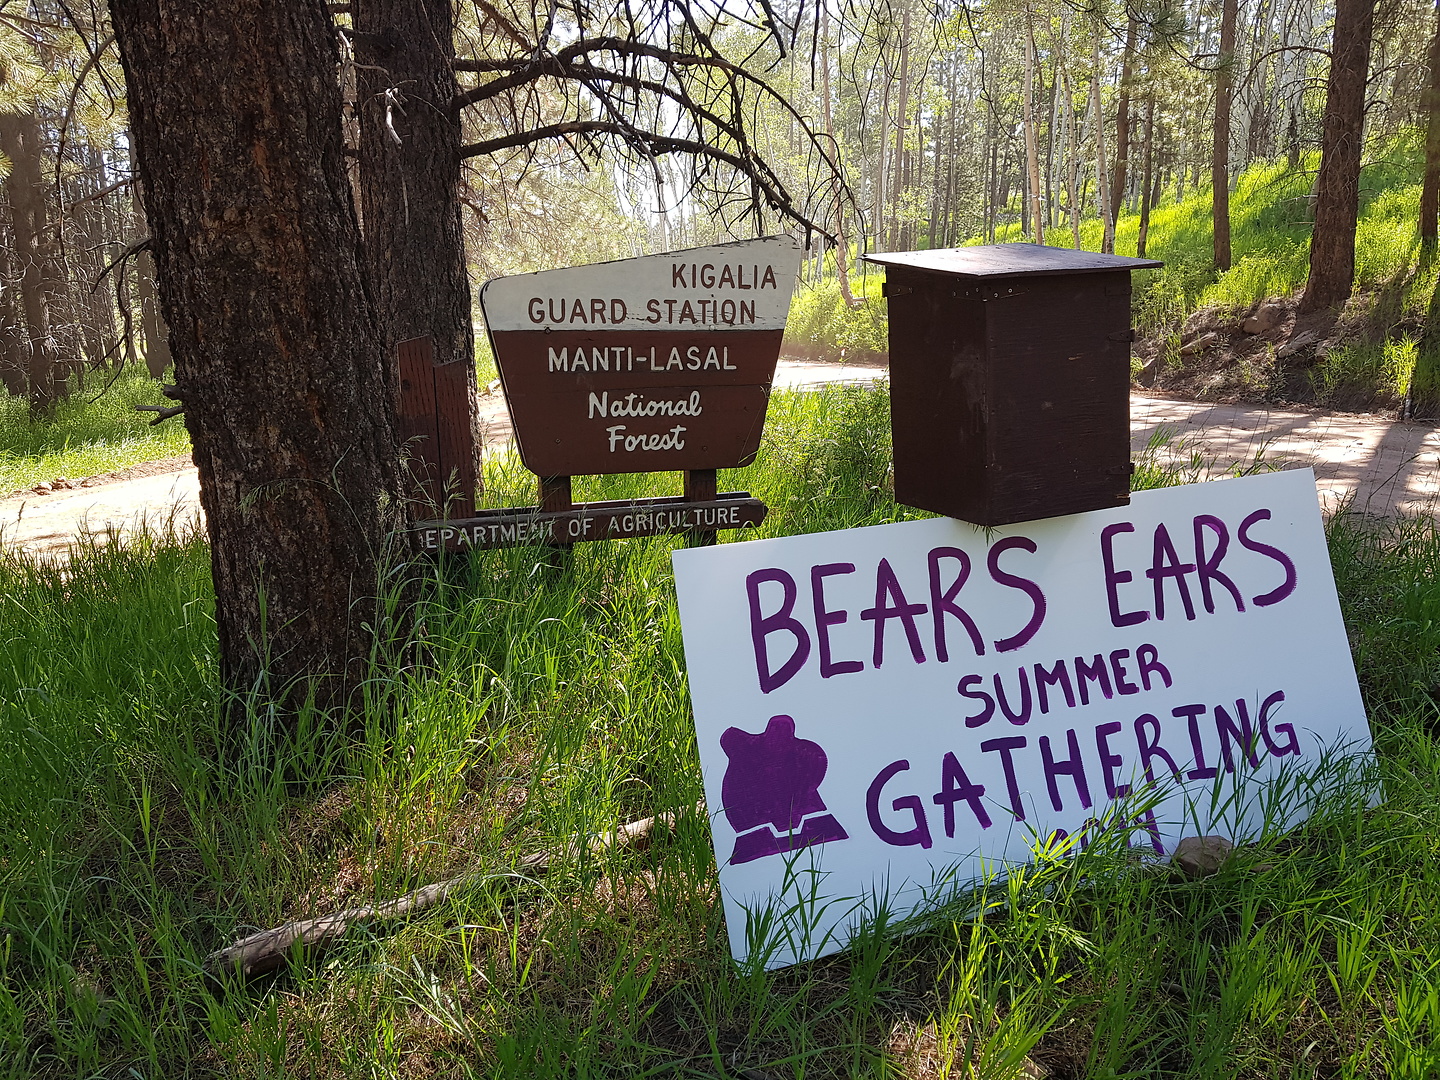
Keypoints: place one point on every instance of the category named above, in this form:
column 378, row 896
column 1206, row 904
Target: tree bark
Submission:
column 235, row 126
column 20, row 142
column 1220, row 159
column 1102, row 180
column 1430, row 106
column 1147, row 175
column 1122, row 124
column 842, row 245
column 1032, row 151
column 410, row 197
column 1337, row 188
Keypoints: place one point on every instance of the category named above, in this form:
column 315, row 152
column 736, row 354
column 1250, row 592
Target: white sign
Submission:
column 884, row 710
column 741, row 286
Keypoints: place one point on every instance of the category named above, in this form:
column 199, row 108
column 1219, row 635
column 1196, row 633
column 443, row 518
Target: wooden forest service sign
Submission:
column 660, row 363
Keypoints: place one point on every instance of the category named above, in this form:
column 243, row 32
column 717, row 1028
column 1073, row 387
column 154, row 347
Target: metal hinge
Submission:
column 1124, row 335
column 886, row 289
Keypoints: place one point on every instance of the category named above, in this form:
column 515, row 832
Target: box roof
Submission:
column 1010, row 260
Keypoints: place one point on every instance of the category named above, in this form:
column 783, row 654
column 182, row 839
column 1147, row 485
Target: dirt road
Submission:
column 1383, row 466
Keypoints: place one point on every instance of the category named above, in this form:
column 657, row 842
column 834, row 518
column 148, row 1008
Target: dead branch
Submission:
column 267, row 951
column 106, row 190
column 162, row 412
column 656, row 88
column 657, row 145
column 143, row 244
column 507, row 28
column 89, row 66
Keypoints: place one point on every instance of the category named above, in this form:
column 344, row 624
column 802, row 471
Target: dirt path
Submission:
column 1384, row 466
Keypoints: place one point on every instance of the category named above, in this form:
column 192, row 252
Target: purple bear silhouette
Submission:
column 773, row 779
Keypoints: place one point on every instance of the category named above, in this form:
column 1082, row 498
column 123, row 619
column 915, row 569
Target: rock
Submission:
column 41, row 488
column 1201, row 856
column 1264, row 320
column 1150, row 372
column 1296, row 343
column 1196, row 319
column 1200, row 344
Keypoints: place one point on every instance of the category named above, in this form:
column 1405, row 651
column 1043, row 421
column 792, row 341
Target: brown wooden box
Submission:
column 1010, row 380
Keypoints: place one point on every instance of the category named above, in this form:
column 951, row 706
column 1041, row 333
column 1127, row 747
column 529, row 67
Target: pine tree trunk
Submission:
column 1337, row 188
column 1122, row 124
column 410, row 194
column 882, row 156
column 25, row 185
column 235, row 127
column 1220, row 159
column 12, row 319
column 897, row 171
column 1145, row 180
column 152, row 326
column 842, row 245
column 1072, row 167
column 952, row 164
column 1430, row 107
column 1032, row 151
column 992, row 167
column 1102, row 180
column 87, row 244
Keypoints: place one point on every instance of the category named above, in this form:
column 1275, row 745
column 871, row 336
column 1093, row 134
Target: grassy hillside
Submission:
column 93, row 431
column 1366, row 361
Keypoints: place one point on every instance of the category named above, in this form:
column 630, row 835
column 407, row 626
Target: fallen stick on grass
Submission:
column 265, row 951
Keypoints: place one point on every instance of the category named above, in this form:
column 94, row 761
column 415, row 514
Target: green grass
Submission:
column 822, row 326
column 1270, row 237
column 552, row 705
column 90, row 432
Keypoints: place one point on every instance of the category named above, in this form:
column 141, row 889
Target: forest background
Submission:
column 1101, row 125
column 155, row 810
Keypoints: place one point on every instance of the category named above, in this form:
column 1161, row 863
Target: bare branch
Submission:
column 270, row 950
column 162, row 413
column 143, row 244
column 89, row 66
column 651, row 143
column 106, row 190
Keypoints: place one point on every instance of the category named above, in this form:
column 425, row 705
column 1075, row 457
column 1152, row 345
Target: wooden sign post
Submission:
column 661, row 363
column 435, row 425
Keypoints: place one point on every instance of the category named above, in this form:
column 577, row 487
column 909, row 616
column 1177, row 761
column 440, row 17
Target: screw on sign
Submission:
column 660, row 363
